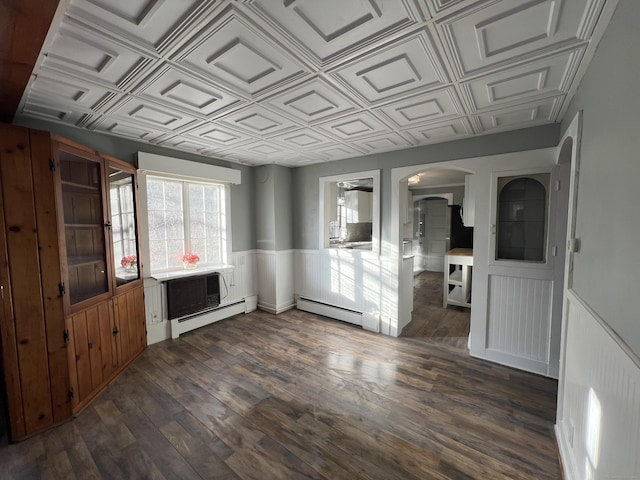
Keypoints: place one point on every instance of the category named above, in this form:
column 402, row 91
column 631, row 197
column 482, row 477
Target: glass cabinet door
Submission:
column 123, row 225
column 84, row 226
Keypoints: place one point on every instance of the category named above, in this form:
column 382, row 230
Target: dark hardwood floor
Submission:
column 300, row 396
column 429, row 321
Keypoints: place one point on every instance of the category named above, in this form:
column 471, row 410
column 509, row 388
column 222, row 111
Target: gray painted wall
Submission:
column 243, row 222
column 273, row 207
column 306, row 183
column 608, row 223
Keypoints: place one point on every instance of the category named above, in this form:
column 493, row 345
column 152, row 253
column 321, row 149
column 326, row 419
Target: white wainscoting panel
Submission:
column 235, row 285
column 275, row 280
column 352, row 280
column 598, row 425
column 518, row 330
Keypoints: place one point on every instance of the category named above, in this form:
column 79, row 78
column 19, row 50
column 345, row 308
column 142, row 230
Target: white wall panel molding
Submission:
column 275, row 280
column 323, row 37
column 544, row 77
column 354, row 281
column 598, row 424
column 528, row 337
column 407, row 65
column 236, row 52
column 496, row 32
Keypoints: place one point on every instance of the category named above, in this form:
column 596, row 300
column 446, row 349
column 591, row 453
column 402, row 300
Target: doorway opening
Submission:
column 435, row 198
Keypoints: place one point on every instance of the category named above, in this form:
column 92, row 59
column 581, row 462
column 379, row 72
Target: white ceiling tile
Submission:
column 60, row 88
column 137, row 110
column 123, row 128
column 316, row 27
column 235, row 52
column 549, row 76
column 354, row 126
column 303, row 81
column 92, row 56
column 179, row 89
column 533, row 113
column 441, row 132
column 491, row 34
column 312, row 101
column 259, row 121
column 382, row 143
column 407, row 66
column 304, row 139
column 218, row 137
column 423, row 108
column 152, row 24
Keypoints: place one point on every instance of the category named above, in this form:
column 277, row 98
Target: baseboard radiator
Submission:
column 191, row 322
column 331, row 311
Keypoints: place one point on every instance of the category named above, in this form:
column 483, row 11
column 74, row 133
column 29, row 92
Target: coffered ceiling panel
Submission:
column 312, row 102
column 296, row 82
column 77, row 50
column 500, row 31
column 439, row 132
column 186, row 92
column 259, row 121
column 217, row 137
column 329, row 29
column 405, row 66
column 234, row 51
column 150, row 23
column 548, row 76
column 423, row 108
column 534, row 113
column 356, row 126
column 137, row 111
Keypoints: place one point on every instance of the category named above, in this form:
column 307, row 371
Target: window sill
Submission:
column 164, row 276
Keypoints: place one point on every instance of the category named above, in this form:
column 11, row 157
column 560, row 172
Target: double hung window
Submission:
column 185, row 217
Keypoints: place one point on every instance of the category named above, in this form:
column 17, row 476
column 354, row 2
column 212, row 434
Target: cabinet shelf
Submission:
column 455, row 278
column 81, row 186
column 83, row 225
column 82, row 261
column 457, row 274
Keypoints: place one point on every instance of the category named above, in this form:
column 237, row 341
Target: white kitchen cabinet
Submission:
column 458, row 266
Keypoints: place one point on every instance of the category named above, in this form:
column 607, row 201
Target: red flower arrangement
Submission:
column 190, row 259
column 129, row 262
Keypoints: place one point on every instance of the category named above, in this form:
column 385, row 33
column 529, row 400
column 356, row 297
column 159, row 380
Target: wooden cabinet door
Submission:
column 94, row 360
column 130, row 321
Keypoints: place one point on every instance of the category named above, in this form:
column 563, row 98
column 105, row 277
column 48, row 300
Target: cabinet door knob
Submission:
column 115, row 330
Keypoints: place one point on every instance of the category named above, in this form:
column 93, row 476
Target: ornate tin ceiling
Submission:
column 296, row 82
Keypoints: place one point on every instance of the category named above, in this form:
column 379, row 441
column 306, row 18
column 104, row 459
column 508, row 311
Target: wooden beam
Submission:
column 23, row 27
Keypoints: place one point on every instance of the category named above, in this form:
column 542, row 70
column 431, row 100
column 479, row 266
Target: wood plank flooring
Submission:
column 432, row 323
column 299, row 396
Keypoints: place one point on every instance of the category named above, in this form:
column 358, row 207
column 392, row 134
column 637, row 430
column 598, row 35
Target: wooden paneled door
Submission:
column 31, row 317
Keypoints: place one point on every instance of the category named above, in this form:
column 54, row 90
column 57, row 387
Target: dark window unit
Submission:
column 189, row 295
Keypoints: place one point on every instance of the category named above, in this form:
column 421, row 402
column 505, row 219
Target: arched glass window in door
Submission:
column 522, row 218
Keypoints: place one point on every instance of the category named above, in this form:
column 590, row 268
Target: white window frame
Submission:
column 167, row 167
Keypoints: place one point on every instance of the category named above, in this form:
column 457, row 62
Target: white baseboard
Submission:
column 267, row 307
column 179, row 327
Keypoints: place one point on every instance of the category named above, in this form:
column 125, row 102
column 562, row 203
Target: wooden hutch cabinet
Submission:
column 73, row 310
